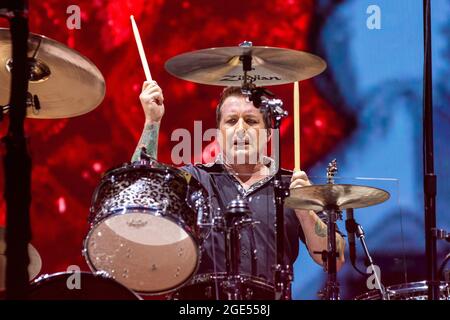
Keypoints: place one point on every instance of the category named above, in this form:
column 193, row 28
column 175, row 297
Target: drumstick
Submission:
column 296, row 126
column 137, row 37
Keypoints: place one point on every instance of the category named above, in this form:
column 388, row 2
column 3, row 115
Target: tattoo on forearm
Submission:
column 320, row 228
column 149, row 140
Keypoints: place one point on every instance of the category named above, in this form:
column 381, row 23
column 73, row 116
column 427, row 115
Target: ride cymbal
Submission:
column 224, row 67
column 340, row 196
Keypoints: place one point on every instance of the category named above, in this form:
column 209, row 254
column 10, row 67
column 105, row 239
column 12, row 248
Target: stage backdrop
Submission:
column 365, row 110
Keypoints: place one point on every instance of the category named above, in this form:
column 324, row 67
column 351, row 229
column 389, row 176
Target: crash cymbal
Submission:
column 33, row 268
column 342, row 196
column 223, row 67
column 66, row 83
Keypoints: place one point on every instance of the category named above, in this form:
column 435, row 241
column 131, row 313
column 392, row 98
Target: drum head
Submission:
column 79, row 286
column 213, row 287
column 146, row 253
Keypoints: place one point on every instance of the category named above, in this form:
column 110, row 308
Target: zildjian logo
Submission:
column 249, row 78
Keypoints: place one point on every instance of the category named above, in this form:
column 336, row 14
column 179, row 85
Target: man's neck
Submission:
column 246, row 172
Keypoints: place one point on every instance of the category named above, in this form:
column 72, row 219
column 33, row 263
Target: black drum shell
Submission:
column 93, row 286
column 171, row 187
column 206, row 286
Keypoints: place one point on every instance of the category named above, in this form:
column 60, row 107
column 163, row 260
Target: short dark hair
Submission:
column 235, row 92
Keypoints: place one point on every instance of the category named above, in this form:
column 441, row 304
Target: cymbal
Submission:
column 342, row 196
column 222, row 66
column 33, row 268
column 66, row 83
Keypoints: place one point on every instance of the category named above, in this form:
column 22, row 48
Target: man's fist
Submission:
column 299, row 179
column 152, row 101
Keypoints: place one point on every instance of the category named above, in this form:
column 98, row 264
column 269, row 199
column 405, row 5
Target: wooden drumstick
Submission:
column 137, row 37
column 296, row 127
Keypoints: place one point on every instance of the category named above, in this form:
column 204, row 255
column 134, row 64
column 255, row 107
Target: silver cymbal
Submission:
column 66, row 83
column 223, row 67
column 342, row 196
column 33, row 268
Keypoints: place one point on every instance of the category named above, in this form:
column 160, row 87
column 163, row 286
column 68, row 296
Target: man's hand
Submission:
column 152, row 101
column 299, row 179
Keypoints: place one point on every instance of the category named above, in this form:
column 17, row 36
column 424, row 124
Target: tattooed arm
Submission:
column 314, row 228
column 315, row 231
column 149, row 140
column 151, row 99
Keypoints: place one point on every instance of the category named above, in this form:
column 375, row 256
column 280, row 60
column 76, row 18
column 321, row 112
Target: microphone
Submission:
column 350, row 227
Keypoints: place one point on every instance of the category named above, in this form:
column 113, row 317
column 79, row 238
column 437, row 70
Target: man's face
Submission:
column 242, row 133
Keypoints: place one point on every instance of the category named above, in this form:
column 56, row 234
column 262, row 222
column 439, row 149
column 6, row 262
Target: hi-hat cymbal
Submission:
column 223, row 66
column 33, row 268
column 341, row 196
column 66, row 83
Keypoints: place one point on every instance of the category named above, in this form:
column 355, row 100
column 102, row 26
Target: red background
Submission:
column 70, row 155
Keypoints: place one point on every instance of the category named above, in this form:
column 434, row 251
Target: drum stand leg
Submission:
column 360, row 234
column 331, row 291
column 233, row 253
column 237, row 216
column 353, row 228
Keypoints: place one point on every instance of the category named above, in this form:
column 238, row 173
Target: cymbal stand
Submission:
column 331, row 291
column 355, row 228
column 17, row 161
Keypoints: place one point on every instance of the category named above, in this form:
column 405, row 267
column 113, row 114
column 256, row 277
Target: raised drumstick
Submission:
column 296, row 126
column 137, row 37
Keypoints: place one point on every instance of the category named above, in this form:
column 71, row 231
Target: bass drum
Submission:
column 213, row 287
column 407, row 291
column 145, row 227
column 79, row 286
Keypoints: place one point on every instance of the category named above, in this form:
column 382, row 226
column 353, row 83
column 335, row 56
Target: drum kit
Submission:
column 148, row 221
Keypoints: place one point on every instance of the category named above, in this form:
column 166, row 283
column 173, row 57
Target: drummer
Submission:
column 241, row 126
